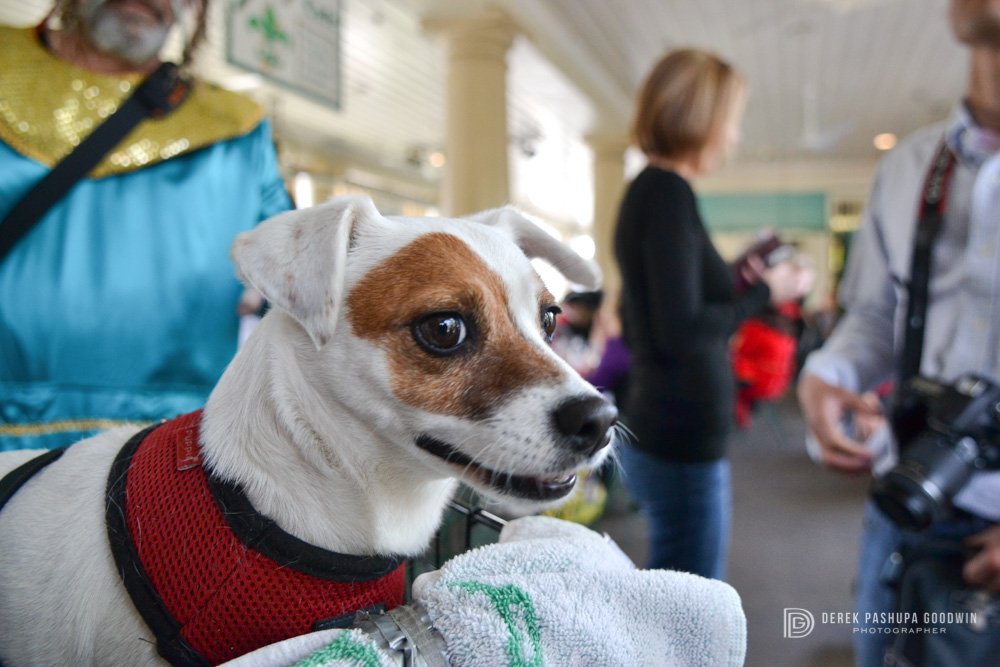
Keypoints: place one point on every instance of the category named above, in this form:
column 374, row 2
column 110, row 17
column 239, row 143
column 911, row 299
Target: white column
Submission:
column 476, row 174
column 609, row 185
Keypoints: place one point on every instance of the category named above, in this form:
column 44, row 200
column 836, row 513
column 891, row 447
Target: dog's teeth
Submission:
column 558, row 480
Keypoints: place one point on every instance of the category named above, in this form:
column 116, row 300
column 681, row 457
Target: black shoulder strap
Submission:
column 158, row 95
column 932, row 210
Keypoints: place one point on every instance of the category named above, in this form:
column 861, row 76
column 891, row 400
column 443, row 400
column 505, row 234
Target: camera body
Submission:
column 945, row 433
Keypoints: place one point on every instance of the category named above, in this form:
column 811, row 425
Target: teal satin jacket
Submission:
column 121, row 304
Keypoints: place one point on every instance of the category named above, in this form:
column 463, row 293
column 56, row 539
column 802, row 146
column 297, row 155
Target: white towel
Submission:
column 550, row 593
column 556, row 593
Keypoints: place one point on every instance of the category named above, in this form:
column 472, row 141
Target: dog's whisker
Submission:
column 624, row 434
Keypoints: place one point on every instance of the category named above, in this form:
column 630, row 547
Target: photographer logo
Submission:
column 798, row 623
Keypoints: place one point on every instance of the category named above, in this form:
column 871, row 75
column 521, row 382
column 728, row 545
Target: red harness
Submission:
column 213, row 578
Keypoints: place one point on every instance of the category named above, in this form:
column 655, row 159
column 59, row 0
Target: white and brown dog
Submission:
column 401, row 355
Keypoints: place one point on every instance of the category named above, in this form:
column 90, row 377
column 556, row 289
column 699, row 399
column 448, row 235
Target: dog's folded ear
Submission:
column 536, row 242
column 297, row 260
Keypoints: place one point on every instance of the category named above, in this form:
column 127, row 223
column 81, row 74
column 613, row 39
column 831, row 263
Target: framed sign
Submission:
column 295, row 43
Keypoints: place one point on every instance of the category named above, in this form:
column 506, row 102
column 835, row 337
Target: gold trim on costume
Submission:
column 66, row 426
column 48, row 106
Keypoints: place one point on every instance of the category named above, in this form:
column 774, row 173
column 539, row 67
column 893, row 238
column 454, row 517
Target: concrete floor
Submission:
column 794, row 542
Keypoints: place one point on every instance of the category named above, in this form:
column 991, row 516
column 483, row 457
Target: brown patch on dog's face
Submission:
column 439, row 273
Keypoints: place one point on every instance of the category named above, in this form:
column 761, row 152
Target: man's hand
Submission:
column 983, row 569
column 823, row 405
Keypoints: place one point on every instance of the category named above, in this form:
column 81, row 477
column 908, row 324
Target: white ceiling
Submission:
column 825, row 75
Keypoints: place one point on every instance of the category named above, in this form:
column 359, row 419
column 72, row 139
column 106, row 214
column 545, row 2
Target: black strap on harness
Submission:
column 159, row 94
column 932, row 209
column 169, row 643
column 17, row 477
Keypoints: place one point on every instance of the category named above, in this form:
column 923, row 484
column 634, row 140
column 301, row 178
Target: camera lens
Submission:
column 919, row 489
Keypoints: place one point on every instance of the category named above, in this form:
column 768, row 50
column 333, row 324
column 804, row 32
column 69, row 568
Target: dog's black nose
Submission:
column 584, row 422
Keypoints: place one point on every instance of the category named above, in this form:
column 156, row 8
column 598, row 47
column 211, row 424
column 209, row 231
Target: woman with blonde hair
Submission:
column 679, row 309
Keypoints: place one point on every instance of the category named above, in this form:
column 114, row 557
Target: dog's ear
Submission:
column 536, row 242
column 297, row 260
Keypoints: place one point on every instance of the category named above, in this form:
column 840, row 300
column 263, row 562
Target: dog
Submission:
column 400, row 357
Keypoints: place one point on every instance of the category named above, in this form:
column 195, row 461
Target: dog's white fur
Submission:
column 306, row 419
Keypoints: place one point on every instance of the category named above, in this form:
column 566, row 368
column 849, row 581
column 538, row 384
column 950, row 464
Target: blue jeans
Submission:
column 880, row 538
column 688, row 511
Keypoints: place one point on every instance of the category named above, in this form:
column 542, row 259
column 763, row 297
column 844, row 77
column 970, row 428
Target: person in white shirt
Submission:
column 962, row 324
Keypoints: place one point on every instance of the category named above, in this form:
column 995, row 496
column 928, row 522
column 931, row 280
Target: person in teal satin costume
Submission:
column 121, row 304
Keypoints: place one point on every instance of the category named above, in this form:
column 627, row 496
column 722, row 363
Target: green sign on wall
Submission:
column 752, row 211
column 293, row 42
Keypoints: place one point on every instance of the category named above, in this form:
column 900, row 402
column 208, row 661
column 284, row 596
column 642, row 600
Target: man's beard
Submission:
column 120, row 35
column 984, row 31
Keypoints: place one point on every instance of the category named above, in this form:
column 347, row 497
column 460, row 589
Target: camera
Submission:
column 769, row 249
column 945, row 432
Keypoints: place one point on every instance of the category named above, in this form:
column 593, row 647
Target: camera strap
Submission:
column 932, row 210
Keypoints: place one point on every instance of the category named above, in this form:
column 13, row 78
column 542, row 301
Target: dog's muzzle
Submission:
column 582, row 426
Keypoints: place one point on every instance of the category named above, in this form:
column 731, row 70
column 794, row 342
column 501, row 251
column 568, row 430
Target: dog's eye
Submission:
column 441, row 333
column 549, row 321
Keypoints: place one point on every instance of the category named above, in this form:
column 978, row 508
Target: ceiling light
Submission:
column 884, row 141
column 436, row 159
